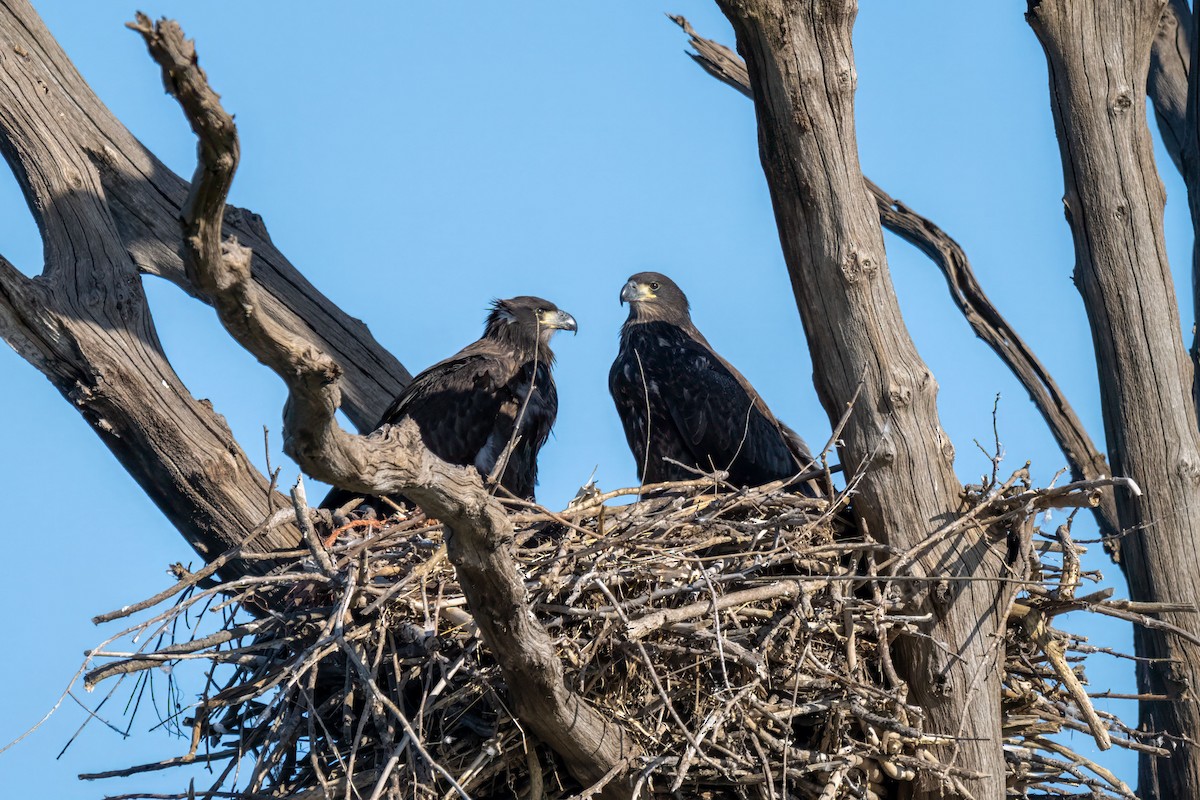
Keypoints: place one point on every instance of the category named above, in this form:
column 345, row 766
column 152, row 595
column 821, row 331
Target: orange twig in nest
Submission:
column 358, row 523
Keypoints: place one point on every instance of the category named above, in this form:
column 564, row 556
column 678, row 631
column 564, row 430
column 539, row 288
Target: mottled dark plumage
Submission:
column 470, row 406
column 679, row 400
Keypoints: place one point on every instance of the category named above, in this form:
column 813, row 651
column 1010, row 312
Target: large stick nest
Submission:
column 743, row 638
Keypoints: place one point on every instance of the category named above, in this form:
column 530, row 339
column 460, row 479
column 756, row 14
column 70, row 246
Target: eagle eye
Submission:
column 540, row 311
column 654, row 286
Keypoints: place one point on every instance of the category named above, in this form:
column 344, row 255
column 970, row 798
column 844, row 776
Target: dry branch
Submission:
column 53, row 104
column 1085, row 459
column 1098, row 54
column 390, row 461
column 763, row 674
column 1167, row 83
column 85, row 322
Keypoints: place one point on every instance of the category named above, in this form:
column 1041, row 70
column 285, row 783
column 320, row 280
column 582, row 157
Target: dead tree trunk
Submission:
column 1098, row 54
column 109, row 212
column 801, row 69
column 1085, row 460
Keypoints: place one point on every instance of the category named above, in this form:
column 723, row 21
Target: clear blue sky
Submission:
column 415, row 163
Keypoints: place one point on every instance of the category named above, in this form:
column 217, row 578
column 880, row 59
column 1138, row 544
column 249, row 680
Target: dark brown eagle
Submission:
column 681, row 402
column 494, row 391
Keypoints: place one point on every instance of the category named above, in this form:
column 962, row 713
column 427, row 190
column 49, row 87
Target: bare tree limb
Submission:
column 1085, row 459
column 1167, row 82
column 1098, row 54
column 389, row 461
column 1174, row 94
column 18, row 297
column 800, row 62
column 108, row 209
column 86, row 325
column 145, row 198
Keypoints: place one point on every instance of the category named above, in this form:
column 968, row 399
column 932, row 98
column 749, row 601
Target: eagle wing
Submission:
column 456, row 402
column 526, row 416
column 468, row 407
column 653, row 437
column 705, row 412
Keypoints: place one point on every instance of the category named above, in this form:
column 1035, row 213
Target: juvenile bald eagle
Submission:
column 679, row 400
column 493, row 391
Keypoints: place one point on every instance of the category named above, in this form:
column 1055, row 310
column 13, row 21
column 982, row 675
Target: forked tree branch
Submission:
column 109, row 210
column 1085, row 460
column 144, row 198
column 85, row 322
column 390, row 461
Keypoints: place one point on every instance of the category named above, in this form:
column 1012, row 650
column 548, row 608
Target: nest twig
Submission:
column 744, row 638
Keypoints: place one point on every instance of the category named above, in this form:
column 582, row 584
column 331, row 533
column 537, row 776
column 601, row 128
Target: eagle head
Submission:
column 653, row 296
column 527, row 318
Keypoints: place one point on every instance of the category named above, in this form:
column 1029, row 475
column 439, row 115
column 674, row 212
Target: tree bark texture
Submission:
column 1098, row 54
column 390, row 461
column 1167, row 81
column 1174, row 94
column 1085, row 459
column 108, row 210
column 801, row 69
column 86, row 325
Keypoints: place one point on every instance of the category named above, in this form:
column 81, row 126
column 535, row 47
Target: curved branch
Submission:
column 1084, row 458
column 144, row 199
column 86, row 325
column 389, row 461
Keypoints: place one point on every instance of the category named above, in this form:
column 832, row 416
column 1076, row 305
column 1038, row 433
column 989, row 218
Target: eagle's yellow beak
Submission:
column 558, row 320
column 632, row 292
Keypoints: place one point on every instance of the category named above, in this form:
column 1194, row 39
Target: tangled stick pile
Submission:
column 743, row 637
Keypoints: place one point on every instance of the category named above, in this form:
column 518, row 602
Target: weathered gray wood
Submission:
column 1098, row 53
column 801, row 69
column 144, row 199
column 390, row 461
column 1172, row 62
column 116, row 375
column 1167, row 82
column 108, row 210
column 86, row 325
column 1085, row 459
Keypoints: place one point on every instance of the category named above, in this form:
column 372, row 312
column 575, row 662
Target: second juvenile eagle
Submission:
column 682, row 404
column 494, row 391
